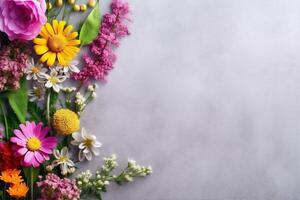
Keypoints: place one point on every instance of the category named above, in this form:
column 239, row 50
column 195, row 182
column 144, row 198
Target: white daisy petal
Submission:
column 77, row 136
column 88, row 156
column 81, row 156
column 81, row 146
column 95, row 151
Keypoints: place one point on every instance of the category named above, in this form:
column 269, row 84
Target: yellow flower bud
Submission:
column 91, row 3
column 71, row 2
column 59, row 3
column 76, row 7
column 65, row 121
column 82, row 7
column 49, row 6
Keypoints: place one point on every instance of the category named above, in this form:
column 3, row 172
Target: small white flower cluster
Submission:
column 57, row 75
column 134, row 170
column 110, row 163
column 97, row 184
column 92, row 89
column 81, row 101
column 68, row 89
column 83, row 180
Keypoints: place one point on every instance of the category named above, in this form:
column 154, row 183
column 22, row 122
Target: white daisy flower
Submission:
column 35, row 71
column 37, row 93
column 69, row 68
column 62, row 159
column 53, row 80
column 87, row 144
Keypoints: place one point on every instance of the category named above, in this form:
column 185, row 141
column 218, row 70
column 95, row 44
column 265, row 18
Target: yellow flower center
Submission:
column 33, row 144
column 62, row 159
column 35, row 70
column 57, row 43
column 38, row 93
column 88, row 143
column 53, row 80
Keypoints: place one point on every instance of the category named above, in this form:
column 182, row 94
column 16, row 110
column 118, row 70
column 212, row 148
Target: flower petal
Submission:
column 38, row 157
column 51, row 59
column 77, row 136
column 88, row 156
column 61, row 26
column 68, row 29
column 40, row 41
column 40, row 49
column 46, row 150
column 74, row 42
column 49, row 29
column 22, row 151
column 81, row 156
column 28, row 157
column 55, row 25
column 64, row 151
column 61, row 59
column 45, row 57
column 19, row 134
column 72, row 35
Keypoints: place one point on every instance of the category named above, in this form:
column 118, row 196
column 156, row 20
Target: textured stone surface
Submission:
column 207, row 92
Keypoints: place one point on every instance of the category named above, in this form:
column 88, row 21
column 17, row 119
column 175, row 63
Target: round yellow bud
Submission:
column 82, row 7
column 49, row 6
column 91, row 3
column 71, row 2
column 65, row 121
column 76, row 7
column 59, row 3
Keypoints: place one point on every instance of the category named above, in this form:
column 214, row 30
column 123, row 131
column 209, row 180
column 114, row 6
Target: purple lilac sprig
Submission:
column 101, row 59
column 13, row 60
column 55, row 188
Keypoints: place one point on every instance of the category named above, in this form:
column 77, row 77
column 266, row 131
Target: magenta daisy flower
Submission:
column 32, row 145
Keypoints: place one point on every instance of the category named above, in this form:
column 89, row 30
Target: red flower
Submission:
column 7, row 158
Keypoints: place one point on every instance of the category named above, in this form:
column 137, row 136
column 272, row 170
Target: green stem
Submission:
column 5, row 120
column 31, row 183
column 4, row 191
column 48, row 109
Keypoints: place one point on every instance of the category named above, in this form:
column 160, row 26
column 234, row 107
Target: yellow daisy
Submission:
column 57, row 42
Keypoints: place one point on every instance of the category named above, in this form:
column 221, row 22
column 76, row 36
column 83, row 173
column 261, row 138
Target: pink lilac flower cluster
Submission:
column 13, row 59
column 55, row 188
column 112, row 29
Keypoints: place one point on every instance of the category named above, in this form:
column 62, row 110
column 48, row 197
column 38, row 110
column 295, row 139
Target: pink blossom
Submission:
column 22, row 19
column 13, row 59
column 32, row 145
column 100, row 62
column 55, row 188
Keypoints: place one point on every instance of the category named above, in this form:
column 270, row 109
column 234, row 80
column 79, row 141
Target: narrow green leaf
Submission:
column 90, row 27
column 36, row 113
column 18, row 100
column 31, row 175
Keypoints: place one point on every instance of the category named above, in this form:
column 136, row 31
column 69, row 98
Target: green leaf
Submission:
column 31, row 175
column 90, row 27
column 36, row 113
column 18, row 100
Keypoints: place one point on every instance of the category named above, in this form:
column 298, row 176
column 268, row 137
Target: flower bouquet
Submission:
column 42, row 141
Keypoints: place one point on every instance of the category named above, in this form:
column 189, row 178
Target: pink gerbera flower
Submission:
column 32, row 145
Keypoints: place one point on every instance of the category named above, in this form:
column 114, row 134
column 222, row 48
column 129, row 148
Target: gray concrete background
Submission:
column 207, row 92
